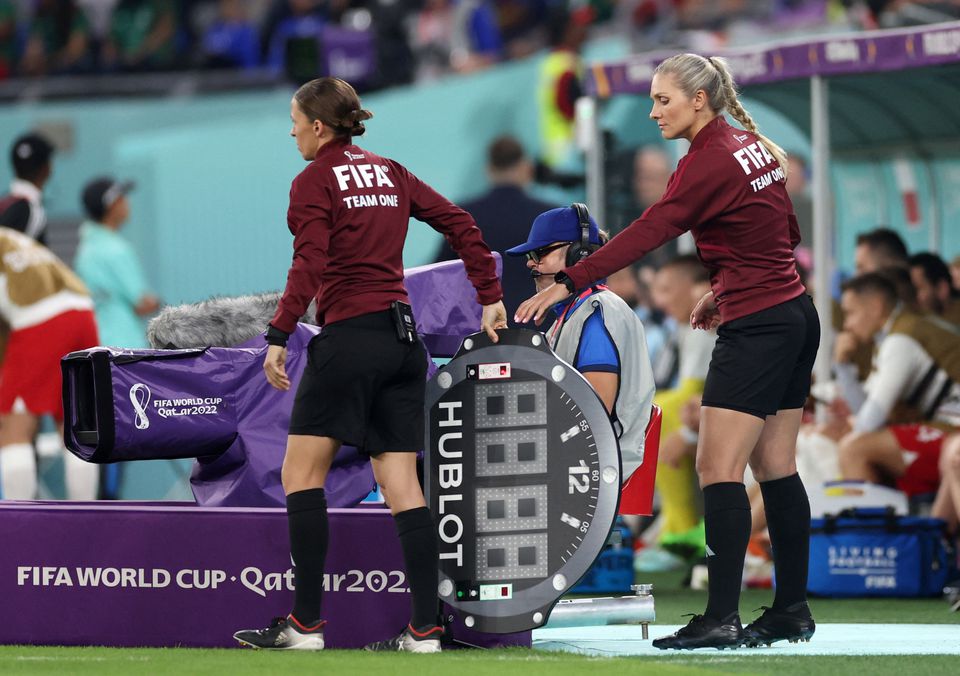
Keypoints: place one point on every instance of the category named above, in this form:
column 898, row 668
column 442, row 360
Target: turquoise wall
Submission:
column 874, row 190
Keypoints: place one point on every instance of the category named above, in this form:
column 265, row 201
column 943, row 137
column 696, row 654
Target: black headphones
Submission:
column 580, row 250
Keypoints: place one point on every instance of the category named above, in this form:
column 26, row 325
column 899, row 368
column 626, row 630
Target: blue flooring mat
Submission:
column 830, row 639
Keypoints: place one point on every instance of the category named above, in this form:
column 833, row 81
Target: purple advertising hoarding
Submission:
column 128, row 574
column 838, row 54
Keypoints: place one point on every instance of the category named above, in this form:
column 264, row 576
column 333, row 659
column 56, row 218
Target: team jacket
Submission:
column 730, row 191
column 349, row 213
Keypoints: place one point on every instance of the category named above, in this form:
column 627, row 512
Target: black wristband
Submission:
column 275, row 336
column 562, row 278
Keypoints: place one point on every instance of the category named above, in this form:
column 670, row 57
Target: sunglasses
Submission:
column 537, row 255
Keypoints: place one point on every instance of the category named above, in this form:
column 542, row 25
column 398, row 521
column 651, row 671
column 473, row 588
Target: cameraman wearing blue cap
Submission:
column 594, row 329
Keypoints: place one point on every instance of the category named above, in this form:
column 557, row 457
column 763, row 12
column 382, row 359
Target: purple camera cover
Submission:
column 215, row 405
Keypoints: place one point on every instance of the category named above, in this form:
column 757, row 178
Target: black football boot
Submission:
column 793, row 623
column 705, row 632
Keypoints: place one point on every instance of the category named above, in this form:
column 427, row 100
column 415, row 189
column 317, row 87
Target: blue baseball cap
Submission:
column 556, row 225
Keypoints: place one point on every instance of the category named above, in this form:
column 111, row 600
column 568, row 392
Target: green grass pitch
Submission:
column 671, row 601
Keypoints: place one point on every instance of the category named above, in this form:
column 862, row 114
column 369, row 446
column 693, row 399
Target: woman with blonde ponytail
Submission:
column 729, row 190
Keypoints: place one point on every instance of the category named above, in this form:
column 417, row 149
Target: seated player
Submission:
column 911, row 398
column 936, row 293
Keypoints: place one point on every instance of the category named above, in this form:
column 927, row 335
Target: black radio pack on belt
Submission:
column 403, row 322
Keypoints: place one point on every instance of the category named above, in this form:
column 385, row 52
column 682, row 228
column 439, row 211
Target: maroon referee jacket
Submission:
column 730, row 191
column 349, row 212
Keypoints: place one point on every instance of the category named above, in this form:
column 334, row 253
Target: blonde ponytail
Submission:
column 693, row 72
column 733, row 106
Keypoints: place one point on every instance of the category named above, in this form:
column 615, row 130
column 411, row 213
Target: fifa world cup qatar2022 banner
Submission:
column 175, row 574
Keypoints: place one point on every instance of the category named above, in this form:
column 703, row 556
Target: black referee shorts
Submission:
column 363, row 387
column 762, row 363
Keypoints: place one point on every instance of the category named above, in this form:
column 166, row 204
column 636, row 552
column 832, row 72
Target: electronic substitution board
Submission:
column 522, row 477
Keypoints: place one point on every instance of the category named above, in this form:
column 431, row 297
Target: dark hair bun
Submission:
column 355, row 121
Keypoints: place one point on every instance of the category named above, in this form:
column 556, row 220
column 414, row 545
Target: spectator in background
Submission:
column 430, row 39
column 955, row 271
column 8, row 37
column 651, row 171
column 659, row 327
column 142, row 36
column 936, row 293
column 875, row 250
column 798, row 189
column 110, row 268
column 521, row 23
column 906, row 291
column 293, row 46
column 59, row 39
column 560, row 85
column 671, row 285
column 505, row 211
column 461, row 36
column 879, row 248
column 231, row 41
column 395, row 62
column 476, row 42
column 624, row 283
column 635, row 292
column 31, row 156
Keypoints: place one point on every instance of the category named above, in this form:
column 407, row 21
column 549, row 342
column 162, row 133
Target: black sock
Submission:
column 788, row 520
column 421, row 555
column 727, row 523
column 309, row 531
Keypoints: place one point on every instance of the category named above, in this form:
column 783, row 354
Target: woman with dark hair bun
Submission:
column 730, row 191
column 364, row 383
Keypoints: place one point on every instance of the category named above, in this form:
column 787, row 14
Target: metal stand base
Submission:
column 585, row 612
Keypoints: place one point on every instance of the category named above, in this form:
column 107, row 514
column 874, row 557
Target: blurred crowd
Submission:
column 380, row 43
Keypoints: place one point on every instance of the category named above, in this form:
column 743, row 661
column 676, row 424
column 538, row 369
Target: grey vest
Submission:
column 631, row 411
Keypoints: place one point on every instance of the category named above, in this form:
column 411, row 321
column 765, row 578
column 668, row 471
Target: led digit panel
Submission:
column 511, row 452
column 523, row 477
column 511, row 508
column 518, row 403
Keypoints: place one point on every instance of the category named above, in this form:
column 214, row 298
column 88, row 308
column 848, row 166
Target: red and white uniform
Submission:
column 49, row 313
